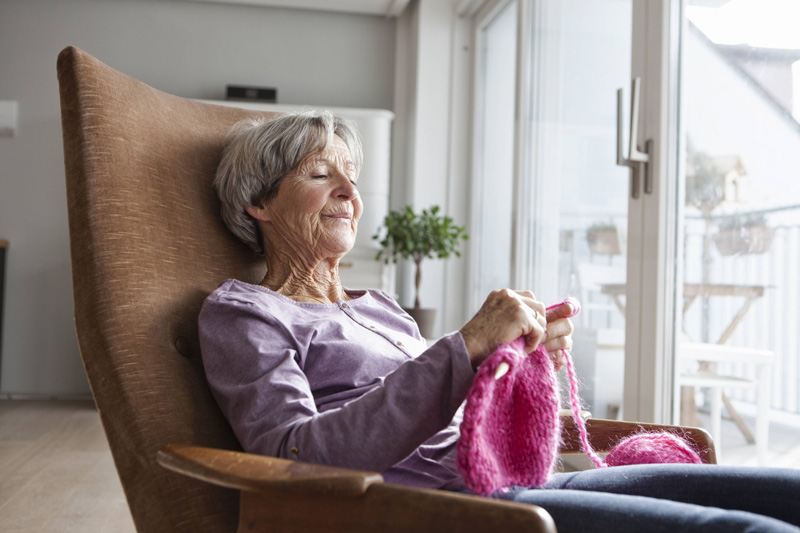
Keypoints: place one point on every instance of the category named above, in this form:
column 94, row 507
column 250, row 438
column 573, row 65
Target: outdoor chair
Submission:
column 148, row 246
column 705, row 374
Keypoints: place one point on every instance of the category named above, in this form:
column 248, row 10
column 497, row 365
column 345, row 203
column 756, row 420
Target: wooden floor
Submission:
column 56, row 472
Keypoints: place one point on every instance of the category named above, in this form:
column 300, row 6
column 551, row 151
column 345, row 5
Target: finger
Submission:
column 559, row 328
column 558, row 344
column 542, row 320
column 529, row 300
column 559, row 359
column 535, row 334
column 531, row 342
column 559, row 335
column 536, row 313
column 526, row 294
column 566, row 309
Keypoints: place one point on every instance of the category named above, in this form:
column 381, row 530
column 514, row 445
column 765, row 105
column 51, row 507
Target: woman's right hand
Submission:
column 503, row 317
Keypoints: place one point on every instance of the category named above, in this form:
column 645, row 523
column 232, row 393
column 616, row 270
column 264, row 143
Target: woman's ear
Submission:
column 258, row 212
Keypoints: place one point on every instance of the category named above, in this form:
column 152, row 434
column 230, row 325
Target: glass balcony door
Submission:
column 737, row 369
column 577, row 211
column 555, row 212
column 550, row 205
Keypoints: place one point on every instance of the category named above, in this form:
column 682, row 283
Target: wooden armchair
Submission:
column 147, row 247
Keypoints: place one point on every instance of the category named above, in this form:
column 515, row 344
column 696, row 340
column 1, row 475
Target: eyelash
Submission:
column 323, row 176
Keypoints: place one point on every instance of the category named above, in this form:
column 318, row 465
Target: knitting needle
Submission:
column 501, row 370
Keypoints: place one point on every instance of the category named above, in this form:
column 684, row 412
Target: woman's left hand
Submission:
column 559, row 333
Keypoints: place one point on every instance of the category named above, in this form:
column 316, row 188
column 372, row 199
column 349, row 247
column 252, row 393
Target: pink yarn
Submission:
column 652, row 448
column 511, row 428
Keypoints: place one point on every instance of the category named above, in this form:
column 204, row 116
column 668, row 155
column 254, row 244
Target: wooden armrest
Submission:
column 249, row 472
column 605, row 434
column 391, row 508
column 283, row 495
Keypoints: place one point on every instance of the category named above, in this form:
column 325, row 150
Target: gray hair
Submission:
column 260, row 152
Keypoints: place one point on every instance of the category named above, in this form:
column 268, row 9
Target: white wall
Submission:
column 184, row 48
column 431, row 143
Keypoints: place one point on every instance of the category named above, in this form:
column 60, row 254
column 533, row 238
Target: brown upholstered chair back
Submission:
column 147, row 247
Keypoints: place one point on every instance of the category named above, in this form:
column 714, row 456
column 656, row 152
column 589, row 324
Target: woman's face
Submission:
column 317, row 208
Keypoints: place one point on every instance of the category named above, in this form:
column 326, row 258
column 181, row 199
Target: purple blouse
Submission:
column 348, row 384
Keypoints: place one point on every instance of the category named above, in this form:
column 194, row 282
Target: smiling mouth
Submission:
column 339, row 216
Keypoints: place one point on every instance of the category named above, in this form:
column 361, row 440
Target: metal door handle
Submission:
column 638, row 161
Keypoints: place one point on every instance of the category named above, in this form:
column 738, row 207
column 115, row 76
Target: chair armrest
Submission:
column 605, row 434
column 249, row 472
column 282, row 495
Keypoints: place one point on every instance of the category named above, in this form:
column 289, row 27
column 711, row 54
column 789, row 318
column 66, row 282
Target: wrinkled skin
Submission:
column 312, row 223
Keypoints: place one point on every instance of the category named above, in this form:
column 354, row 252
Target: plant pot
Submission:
column 604, row 242
column 760, row 239
column 730, row 242
column 744, row 240
column 424, row 319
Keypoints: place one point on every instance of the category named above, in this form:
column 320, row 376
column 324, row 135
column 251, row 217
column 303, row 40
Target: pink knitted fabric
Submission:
column 511, row 428
column 510, row 433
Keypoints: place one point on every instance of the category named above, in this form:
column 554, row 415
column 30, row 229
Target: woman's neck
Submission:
column 305, row 283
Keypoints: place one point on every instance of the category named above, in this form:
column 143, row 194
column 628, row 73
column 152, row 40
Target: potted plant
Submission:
column 745, row 233
column 602, row 238
column 406, row 235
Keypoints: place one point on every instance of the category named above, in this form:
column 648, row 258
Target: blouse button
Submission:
column 294, row 451
column 399, row 343
column 344, row 306
column 371, row 326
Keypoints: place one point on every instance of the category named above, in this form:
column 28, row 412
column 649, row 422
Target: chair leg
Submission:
column 762, row 413
column 716, row 418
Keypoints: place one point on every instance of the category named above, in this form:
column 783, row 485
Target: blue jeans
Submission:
column 670, row 498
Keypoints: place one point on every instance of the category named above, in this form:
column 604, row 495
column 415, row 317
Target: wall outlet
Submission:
column 8, row 118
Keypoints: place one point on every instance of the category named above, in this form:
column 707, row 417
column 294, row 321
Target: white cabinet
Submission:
column 358, row 270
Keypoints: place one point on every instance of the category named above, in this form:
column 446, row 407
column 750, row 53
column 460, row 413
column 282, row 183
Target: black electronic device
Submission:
column 252, row 94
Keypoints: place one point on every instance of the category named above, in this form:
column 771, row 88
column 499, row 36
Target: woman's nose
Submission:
column 346, row 189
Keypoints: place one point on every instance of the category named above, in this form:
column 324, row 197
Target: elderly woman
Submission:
column 304, row 368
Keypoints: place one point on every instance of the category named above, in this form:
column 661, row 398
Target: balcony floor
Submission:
column 784, row 444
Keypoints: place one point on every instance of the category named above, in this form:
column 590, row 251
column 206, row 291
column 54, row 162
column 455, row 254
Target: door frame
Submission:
column 653, row 220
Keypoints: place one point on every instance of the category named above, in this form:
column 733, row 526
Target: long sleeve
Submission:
column 339, row 392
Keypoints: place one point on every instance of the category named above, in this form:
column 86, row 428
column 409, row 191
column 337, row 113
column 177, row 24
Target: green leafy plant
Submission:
column 599, row 227
column 602, row 238
column 406, row 235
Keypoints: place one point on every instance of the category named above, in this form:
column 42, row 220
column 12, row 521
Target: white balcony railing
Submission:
column 772, row 322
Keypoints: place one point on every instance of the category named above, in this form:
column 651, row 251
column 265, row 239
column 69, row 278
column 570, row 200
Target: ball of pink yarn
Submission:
column 652, row 448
